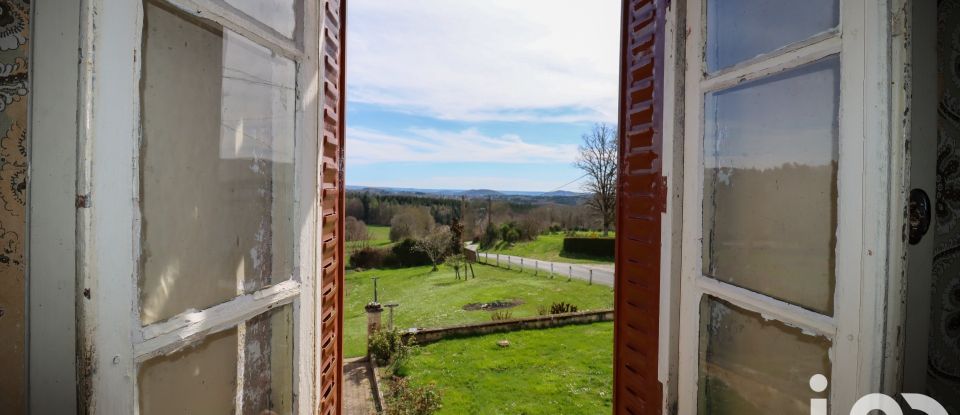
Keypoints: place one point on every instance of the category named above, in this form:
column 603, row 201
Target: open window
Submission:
column 210, row 138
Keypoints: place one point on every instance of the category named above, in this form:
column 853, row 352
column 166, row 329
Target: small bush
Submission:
column 592, row 247
column 542, row 310
column 562, row 307
column 402, row 398
column 387, row 348
column 501, row 315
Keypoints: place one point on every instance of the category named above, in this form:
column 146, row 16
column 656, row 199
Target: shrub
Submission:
column 387, row 347
column 406, row 255
column 542, row 310
column 562, row 307
column 592, row 247
column 490, row 236
column 501, row 315
column 402, row 398
column 370, row 258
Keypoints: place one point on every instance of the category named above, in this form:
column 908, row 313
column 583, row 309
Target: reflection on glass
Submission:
column 281, row 15
column 738, row 30
column 769, row 191
column 750, row 365
column 268, row 363
column 216, row 165
column 201, row 379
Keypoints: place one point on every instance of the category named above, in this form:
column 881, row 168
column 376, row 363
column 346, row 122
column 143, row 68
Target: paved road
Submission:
column 600, row 273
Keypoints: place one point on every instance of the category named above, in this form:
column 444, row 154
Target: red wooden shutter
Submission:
column 332, row 201
column 641, row 195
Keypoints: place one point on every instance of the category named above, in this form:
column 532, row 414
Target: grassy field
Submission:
column 564, row 370
column 435, row 299
column 379, row 236
column 546, row 248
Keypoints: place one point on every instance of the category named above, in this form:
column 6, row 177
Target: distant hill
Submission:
column 471, row 193
column 562, row 193
column 480, row 193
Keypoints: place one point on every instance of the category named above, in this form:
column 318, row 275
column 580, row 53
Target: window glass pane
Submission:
column 201, row 379
column 738, row 30
column 281, row 15
column 753, row 365
column 770, row 187
column 268, row 363
column 216, row 165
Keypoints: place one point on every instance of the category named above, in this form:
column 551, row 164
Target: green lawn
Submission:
column 435, row 299
column 379, row 237
column 564, row 370
column 546, row 247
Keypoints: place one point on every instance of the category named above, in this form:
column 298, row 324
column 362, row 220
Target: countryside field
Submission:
column 564, row 370
column 547, row 247
column 436, row 299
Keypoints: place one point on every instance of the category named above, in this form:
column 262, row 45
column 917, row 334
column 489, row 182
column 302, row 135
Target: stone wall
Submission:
column 424, row 336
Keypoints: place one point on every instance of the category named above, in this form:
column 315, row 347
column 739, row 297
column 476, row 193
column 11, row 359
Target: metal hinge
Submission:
column 664, row 194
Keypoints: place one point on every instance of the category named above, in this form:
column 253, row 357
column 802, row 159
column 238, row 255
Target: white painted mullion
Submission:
column 672, row 220
column 803, row 53
column 229, row 17
column 769, row 307
column 882, row 253
column 168, row 336
column 107, row 233
column 845, row 353
column 305, row 313
column 691, row 245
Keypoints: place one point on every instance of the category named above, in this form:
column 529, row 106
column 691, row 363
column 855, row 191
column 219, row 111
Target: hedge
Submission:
column 590, row 247
column 402, row 255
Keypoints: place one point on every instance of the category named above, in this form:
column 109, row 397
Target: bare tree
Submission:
column 435, row 244
column 357, row 233
column 598, row 160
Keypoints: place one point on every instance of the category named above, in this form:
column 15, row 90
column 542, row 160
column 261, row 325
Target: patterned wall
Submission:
column 944, row 347
column 14, row 90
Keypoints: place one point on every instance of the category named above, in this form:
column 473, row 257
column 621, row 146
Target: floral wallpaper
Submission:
column 14, row 92
column 943, row 366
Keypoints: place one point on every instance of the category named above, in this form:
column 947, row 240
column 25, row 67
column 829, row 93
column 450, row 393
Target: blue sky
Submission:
column 471, row 94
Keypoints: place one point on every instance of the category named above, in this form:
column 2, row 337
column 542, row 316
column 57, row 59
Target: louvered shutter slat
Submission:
column 640, row 200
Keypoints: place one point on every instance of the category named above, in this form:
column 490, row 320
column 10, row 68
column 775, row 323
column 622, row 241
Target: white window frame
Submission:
column 112, row 341
column 869, row 244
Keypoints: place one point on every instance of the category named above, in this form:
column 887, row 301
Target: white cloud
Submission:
column 368, row 146
column 478, row 60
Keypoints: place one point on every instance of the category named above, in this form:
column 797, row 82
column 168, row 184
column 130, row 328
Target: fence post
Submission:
column 536, row 267
column 591, row 276
column 551, row 270
column 508, row 262
column 498, row 260
column 570, row 272
column 521, row 264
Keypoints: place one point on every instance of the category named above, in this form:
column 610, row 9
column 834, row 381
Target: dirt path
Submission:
column 357, row 393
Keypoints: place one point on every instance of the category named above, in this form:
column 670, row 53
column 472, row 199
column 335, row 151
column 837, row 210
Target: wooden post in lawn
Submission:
column 498, row 260
column 521, row 264
column 551, row 270
column 569, row 272
column 508, row 262
column 591, row 276
column 536, row 268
